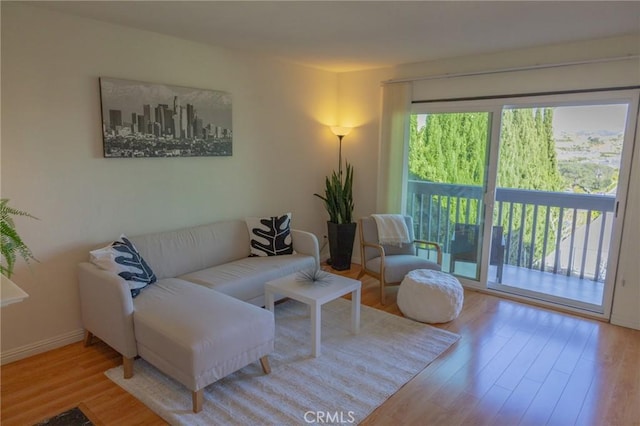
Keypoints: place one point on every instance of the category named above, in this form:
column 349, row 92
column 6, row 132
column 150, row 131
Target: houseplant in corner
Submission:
column 338, row 200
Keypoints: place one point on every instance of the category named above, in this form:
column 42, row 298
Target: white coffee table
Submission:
column 316, row 295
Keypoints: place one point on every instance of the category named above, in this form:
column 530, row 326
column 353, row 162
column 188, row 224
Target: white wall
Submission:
column 52, row 164
column 51, row 147
column 359, row 97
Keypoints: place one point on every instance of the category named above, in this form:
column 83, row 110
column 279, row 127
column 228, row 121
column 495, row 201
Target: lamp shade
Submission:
column 340, row 131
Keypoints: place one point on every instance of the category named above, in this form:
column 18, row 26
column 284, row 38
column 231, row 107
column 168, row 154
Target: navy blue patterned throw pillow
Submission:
column 270, row 236
column 122, row 258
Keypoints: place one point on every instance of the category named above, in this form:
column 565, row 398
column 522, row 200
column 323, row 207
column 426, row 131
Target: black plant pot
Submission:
column 341, row 237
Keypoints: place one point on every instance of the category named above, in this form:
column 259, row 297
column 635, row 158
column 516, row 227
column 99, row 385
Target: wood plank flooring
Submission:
column 515, row 364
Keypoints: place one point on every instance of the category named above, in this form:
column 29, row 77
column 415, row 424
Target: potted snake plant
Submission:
column 338, row 200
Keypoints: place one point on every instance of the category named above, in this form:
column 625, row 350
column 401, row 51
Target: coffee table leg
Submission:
column 269, row 301
column 316, row 324
column 355, row 311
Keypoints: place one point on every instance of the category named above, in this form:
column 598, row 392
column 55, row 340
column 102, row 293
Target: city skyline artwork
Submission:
column 158, row 120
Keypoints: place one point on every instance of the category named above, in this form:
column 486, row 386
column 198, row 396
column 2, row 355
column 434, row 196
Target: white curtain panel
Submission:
column 394, row 146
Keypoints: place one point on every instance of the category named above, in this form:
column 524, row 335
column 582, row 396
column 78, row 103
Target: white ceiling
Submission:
column 354, row 35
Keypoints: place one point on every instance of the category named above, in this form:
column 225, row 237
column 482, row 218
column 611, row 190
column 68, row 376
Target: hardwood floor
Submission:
column 514, row 364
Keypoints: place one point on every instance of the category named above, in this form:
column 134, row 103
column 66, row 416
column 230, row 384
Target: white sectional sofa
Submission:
column 202, row 319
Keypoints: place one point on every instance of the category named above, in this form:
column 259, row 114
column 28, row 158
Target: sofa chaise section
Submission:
column 198, row 336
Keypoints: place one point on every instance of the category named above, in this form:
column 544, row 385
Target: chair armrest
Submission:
column 381, row 253
column 430, row 243
column 107, row 308
column 378, row 247
column 306, row 243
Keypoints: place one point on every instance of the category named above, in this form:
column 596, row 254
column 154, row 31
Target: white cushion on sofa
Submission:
column 179, row 252
column 244, row 278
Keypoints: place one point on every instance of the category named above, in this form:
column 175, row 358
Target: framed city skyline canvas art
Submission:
column 158, row 120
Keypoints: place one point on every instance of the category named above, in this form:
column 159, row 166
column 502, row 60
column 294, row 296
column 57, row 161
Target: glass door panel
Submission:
column 557, row 179
column 446, row 183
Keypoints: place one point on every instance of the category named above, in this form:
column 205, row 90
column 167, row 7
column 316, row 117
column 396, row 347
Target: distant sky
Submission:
column 573, row 119
column 128, row 96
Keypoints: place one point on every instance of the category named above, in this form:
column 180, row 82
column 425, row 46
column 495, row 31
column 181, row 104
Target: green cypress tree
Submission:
column 555, row 183
column 451, row 148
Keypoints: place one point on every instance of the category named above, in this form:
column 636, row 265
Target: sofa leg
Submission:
column 197, row 397
column 127, row 366
column 361, row 274
column 264, row 361
column 382, row 294
column 88, row 337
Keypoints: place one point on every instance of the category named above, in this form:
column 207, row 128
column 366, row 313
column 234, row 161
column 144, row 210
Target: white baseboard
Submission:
column 625, row 321
column 42, row 346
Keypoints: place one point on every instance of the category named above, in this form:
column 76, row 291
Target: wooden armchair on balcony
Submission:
column 390, row 263
column 464, row 247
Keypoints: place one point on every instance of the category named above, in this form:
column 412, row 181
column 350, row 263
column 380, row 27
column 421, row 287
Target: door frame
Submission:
column 490, row 108
column 495, row 107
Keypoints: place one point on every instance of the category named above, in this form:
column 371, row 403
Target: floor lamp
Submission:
column 340, row 132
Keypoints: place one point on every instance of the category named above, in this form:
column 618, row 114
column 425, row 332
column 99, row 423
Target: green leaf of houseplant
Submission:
column 11, row 244
column 338, row 196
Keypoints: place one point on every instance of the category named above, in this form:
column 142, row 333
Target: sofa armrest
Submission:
column 306, row 243
column 107, row 308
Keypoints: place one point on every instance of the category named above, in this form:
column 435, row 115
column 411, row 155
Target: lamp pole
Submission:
column 340, row 132
column 340, row 157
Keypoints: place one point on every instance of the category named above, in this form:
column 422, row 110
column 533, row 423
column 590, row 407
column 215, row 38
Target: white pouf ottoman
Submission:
column 430, row 296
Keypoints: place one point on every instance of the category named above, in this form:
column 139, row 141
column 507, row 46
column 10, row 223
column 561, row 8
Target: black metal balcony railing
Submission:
column 563, row 233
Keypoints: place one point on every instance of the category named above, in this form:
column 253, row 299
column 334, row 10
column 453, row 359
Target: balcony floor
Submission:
column 562, row 286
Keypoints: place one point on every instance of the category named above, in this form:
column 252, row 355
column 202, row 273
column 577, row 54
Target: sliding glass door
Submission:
column 558, row 184
column 447, row 170
column 525, row 195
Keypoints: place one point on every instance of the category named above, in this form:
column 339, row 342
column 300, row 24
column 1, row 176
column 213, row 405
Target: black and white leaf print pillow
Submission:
column 122, row 258
column 270, row 236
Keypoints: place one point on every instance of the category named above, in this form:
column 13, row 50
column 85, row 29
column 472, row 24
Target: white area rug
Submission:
column 353, row 375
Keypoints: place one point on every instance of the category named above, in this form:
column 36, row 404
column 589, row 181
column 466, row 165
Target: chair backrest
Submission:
column 466, row 237
column 497, row 246
column 465, row 242
column 466, row 232
column 369, row 234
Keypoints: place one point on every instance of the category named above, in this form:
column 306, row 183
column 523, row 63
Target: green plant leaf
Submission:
column 11, row 242
column 338, row 196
